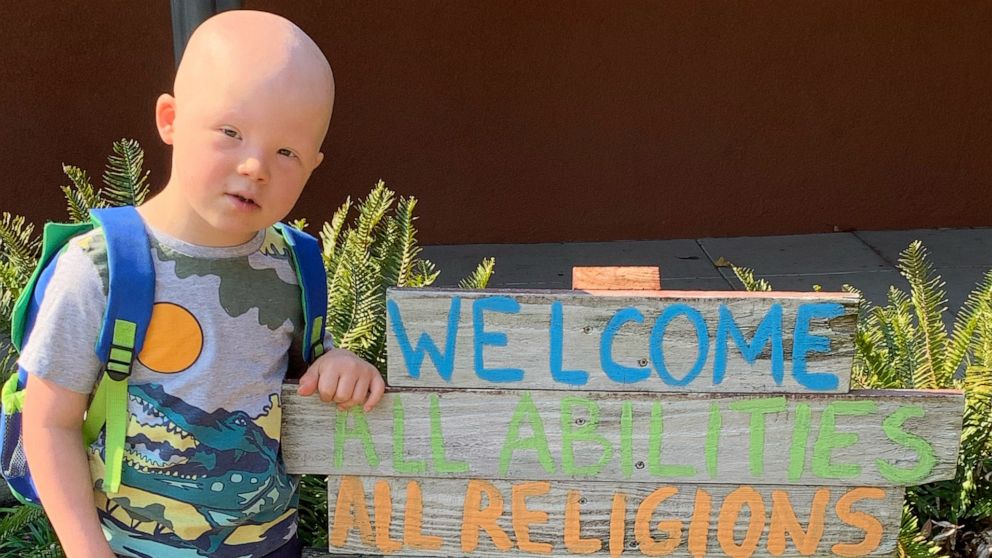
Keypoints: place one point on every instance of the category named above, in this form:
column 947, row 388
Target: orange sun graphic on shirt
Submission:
column 174, row 339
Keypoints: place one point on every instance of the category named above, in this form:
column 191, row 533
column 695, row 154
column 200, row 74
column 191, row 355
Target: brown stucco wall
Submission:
column 523, row 121
column 74, row 77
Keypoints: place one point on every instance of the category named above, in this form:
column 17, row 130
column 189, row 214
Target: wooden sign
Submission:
column 682, row 341
column 459, row 517
column 565, row 423
column 893, row 438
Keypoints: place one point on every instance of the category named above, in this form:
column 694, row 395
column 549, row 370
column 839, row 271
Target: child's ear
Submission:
column 320, row 158
column 165, row 117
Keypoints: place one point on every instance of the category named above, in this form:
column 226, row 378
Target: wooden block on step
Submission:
column 633, row 278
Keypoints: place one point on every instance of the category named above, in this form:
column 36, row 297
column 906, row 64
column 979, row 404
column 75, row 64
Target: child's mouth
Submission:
column 242, row 202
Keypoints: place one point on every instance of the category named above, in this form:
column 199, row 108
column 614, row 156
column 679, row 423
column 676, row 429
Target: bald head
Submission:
column 250, row 51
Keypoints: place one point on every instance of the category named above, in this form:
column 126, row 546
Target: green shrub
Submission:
column 905, row 344
column 25, row 531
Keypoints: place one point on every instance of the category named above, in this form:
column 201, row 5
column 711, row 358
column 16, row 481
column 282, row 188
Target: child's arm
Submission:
column 53, row 441
column 343, row 378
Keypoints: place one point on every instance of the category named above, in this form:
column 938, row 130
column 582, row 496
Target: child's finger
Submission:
column 360, row 392
column 376, row 389
column 308, row 382
column 346, row 386
column 328, row 385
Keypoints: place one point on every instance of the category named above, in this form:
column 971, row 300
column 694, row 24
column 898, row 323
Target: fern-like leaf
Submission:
column 929, row 303
column 974, row 474
column 25, row 531
column 19, row 252
column 912, row 543
column 330, row 236
column 81, row 196
column 10, row 286
column 966, row 325
column 480, row 277
column 746, row 277
column 902, row 345
column 313, row 510
column 424, row 274
column 371, row 210
column 869, row 369
column 16, row 520
column 341, row 297
column 8, row 360
column 125, row 182
column 18, row 243
column 386, row 250
column 408, row 250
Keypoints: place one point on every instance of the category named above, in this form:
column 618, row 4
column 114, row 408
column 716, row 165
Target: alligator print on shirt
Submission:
column 182, row 464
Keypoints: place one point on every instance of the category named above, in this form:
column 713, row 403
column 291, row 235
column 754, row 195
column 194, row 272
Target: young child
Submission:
column 202, row 473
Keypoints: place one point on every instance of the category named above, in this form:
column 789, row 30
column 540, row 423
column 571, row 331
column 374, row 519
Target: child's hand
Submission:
column 343, row 378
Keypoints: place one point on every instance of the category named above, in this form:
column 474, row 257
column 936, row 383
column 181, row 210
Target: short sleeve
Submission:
column 61, row 346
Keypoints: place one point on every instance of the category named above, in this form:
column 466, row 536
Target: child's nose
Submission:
column 254, row 168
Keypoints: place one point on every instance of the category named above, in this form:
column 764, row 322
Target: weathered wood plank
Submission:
column 861, row 438
column 616, row 277
column 676, row 341
column 462, row 517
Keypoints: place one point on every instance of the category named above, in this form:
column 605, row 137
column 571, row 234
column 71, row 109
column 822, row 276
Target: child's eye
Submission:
column 230, row 132
column 286, row 153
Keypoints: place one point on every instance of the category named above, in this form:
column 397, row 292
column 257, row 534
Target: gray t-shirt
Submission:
column 202, row 473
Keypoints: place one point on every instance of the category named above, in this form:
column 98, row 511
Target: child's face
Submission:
column 242, row 157
column 252, row 104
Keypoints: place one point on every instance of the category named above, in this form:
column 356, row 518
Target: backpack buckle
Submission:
column 121, row 356
column 120, row 362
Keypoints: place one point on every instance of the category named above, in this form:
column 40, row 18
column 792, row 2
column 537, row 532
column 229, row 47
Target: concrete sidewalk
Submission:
column 865, row 260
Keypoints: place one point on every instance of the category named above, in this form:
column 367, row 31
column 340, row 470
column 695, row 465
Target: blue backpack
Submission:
column 130, row 296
